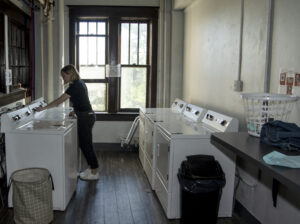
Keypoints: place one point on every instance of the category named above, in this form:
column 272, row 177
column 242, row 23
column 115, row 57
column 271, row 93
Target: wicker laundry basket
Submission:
column 32, row 196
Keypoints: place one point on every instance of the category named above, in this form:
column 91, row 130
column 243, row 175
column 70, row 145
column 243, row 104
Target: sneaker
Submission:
column 85, row 173
column 90, row 176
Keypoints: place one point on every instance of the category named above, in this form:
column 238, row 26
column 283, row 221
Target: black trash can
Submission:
column 201, row 181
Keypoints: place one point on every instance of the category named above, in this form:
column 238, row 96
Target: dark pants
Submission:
column 86, row 121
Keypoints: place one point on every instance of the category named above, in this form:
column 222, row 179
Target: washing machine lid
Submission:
column 159, row 111
column 163, row 117
column 45, row 125
column 176, row 128
column 58, row 113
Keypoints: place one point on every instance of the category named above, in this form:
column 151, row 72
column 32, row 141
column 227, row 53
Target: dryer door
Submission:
column 163, row 156
column 149, row 128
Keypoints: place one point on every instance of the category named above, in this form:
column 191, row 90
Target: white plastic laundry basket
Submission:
column 264, row 107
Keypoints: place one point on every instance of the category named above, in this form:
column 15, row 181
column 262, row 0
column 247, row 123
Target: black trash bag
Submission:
column 200, row 174
column 281, row 134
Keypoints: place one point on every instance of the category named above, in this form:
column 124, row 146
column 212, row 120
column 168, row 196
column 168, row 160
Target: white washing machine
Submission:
column 50, row 144
column 191, row 114
column 175, row 141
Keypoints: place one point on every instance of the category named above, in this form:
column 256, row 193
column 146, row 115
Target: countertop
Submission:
column 251, row 149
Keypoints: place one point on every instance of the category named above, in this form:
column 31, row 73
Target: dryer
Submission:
column 147, row 118
column 190, row 114
column 175, row 141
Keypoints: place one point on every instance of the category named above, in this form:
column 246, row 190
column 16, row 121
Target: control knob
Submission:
column 16, row 117
column 209, row 117
column 223, row 123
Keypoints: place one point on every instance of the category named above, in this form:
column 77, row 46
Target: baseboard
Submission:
column 244, row 214
column 114, row 147
column 108, row 146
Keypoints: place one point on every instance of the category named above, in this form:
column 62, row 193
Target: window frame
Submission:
column 115, row 16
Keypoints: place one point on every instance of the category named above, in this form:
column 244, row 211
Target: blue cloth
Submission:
column 279, row 159
column 281, row 134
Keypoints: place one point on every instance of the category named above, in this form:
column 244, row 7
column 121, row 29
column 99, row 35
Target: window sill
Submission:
column 121, row 116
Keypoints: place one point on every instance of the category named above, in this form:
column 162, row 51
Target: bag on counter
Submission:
column 281, row 134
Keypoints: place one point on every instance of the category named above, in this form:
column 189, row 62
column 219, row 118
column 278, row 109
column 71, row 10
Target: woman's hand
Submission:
column 72, row 114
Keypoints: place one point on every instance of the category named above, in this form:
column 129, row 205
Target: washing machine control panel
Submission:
column 194, row 112
column 178, row 105
column 219, row 121
column 38, row 103
column 11, row 120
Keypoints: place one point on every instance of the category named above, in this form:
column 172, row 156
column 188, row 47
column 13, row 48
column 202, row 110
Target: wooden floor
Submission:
column 122, row 195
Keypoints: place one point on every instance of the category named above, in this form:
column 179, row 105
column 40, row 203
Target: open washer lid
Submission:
column 45, row 125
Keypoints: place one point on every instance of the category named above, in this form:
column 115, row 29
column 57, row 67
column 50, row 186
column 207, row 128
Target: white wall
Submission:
column 286, row 46
column 111, row 131
column 211, row 55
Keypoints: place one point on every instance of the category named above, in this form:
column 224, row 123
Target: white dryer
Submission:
column 175, row 141
column 149, row 116
column 191, row 114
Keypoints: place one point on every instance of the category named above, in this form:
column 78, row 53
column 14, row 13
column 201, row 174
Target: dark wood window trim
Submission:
column 115, row 16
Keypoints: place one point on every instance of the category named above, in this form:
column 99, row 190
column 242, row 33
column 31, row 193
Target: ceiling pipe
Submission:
column 42, row 51
column 61, row 47
column 6, row 53
column 269, row 47
column 50, row 95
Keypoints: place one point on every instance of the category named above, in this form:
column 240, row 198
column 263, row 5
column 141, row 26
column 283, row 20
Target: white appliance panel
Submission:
column 186, row 139
column 142, row 139
column 26, row 152
column 70, row 165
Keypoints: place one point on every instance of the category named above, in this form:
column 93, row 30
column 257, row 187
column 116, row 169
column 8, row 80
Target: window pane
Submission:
column 133, row 42
column 92, row 72
column 92, row 50
column 83, row 28
column 92, row 28
column 101, row 50
column 101, row 28
column 133, row 87
column 124, row 43
column 97, row 95
column 143, row 44
column 83, row 50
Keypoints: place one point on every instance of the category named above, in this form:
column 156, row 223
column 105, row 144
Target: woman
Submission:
column 78, row 95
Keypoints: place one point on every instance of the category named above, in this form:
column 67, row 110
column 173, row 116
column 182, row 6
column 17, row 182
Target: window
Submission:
column 91, row 38
column 120, row 39
column 134, row 64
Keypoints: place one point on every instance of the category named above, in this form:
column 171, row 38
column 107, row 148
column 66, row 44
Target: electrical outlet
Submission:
column 238, row 85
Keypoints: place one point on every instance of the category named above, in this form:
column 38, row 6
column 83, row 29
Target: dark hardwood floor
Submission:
column 122, row 195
